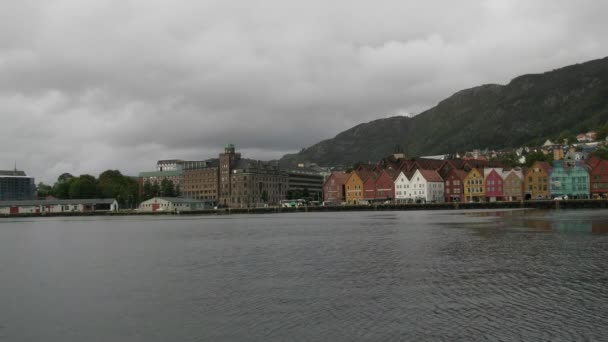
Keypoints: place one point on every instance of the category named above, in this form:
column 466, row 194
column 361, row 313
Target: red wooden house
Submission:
column 385, row 186
column 598, row 177
column 494, row 184
column 454, row 185
column 333, row 188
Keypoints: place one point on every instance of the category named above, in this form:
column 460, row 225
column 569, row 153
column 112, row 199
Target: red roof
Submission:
column 364, row 174
column 461, row 174
column 339, row 176
column 431, row 175
column 544, row 165
column 594, row 161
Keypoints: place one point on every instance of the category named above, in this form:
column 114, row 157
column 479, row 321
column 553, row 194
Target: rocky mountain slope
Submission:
column 527, row 110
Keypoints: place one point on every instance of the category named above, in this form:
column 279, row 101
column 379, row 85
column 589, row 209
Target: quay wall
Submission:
column 566, row 204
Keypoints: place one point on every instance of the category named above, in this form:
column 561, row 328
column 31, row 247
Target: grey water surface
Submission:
column 366, row 276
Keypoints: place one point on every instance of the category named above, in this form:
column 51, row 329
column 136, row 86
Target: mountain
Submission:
column 528, row 110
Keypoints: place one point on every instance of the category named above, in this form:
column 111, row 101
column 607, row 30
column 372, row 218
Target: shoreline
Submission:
column 546, row 204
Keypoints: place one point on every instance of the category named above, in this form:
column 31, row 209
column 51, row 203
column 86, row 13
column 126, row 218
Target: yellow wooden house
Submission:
column 536, row 181
column 474, row 186
column 354, row 188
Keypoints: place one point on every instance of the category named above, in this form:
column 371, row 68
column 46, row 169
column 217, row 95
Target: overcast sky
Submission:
column 87, row 86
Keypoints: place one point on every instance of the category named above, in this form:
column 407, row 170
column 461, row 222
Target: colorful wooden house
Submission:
column 334, row 187
column 570, row 178
column 355, row 189
column 474, row 186
column 454, row 185
column 402, row 184
column 598, row 177
column 426, row 186
column 536, row 181
column 493, row 184
column 513, row 184
column 369, row 187
column 385, row 186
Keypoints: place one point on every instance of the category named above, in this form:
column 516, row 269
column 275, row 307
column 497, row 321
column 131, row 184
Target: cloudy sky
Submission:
column 90, row 85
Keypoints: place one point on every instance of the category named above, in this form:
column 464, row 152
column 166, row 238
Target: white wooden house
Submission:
column 175, row 204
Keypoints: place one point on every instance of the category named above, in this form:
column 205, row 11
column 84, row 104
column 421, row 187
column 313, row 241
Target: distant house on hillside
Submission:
column 586, row 137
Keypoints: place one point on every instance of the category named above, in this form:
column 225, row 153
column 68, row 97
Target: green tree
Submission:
column 84, row 186
column 61, row 188
column 167, row 188
column 44, row 190
column 601, row 132
column 601, row 153
column 111, row 184
column 507, row 159
column 533, row 157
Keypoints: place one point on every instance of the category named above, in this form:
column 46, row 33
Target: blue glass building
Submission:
column 16, row 186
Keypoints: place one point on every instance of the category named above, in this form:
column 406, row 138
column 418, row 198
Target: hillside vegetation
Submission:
column 528, row 110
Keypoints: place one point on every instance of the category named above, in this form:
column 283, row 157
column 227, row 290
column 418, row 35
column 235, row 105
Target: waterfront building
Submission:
column 16, row 186
column 369, row 187
column 598, row 177
column 570, row 178
column 385, row 186
column 334, row 187
column 306, row 180
column 175, row 204
column 57, row 206
column 513, row 184
column 454, row 185
column 474, row 189
column 156, row 177
column 426, row 186
column 493, row 184
column 355, row 191
column 200, row 180
column 536, row 181
column 402, row 183
column 245, row 183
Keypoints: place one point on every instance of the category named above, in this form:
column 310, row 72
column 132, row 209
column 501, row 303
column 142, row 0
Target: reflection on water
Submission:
column 513, row 275
column 584, row 221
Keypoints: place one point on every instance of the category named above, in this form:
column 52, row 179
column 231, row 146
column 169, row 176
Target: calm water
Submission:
column 446, row 276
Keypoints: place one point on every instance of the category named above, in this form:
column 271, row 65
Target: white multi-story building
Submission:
column 427, row 186
column 402, row 184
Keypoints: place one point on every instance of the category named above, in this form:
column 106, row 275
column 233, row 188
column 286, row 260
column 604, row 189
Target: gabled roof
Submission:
column 488, row 170
column 593, row 161
column 429, row 164
column 390, row 173
column 543, row 165
column 406, row 165
column 339, row 176
column 364, row 174
column 431, row 175
column 461, row 174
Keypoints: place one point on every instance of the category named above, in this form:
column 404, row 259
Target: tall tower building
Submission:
column 227, row 161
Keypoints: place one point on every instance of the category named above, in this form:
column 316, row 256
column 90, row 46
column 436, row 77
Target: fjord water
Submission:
column 368, row 276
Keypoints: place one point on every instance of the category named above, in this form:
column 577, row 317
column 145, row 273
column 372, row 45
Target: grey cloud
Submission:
column 91, row 85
